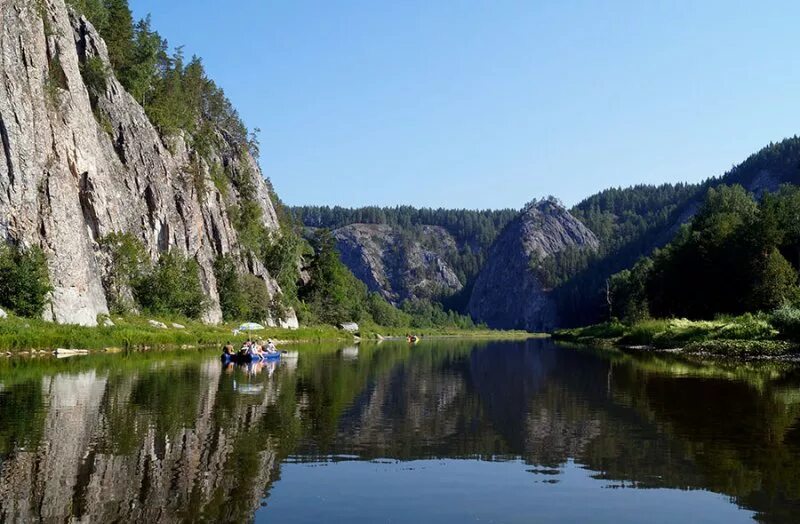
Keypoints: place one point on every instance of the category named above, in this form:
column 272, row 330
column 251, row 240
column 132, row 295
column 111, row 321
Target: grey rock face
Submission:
column 507, row 293
column 398, row 267
column 66, row 180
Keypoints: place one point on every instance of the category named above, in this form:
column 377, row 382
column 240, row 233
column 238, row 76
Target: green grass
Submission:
column 18, row 334
column 371, row 331
column 745, row 335
column 134, row 332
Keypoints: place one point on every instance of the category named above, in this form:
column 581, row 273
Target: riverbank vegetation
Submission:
column 135, row 332
column 733, row 271
column 748, row 335
column 19, row 335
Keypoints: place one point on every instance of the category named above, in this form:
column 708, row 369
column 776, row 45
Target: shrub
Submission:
column 231, row 297
column 786, row 320
column 257, row 299
column 172, row 287
column 95, row 76
column 24, row 280
column 386, row 314
column 128, row 263
column 241, row 296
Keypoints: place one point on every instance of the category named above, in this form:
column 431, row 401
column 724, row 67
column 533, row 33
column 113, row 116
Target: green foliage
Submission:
column 243, row 296
column 231, row 297
column 247, row 219
column 786, row 320
column 170, row 108
column 117, row 32
column 745, row 334
column 220, row 180
column 385, row 314
column 256, row 295
column 172, row 286
column 281, row 257
column 425, row 314
column 95, row 76
column 334, row 295
column 129, row 262
column 632, row 222
column 141, row 71
column 628, row 292
column 728, row 260
column 94, row 10
column 24, row 280
column 134, row 332
column 775, row 283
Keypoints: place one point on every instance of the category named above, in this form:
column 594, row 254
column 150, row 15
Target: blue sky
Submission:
column 488, row 104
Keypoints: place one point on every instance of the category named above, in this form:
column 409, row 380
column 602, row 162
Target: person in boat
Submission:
column 271, row 347
column 228, row 349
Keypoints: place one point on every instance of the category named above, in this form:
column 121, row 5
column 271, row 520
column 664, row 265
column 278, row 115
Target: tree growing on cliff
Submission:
column 24, row 280
column 128, row 262
column 172, row 286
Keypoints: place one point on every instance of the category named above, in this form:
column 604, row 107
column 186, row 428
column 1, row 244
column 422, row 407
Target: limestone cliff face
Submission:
column 396, row 266
column 66, row 180
column 507, row 293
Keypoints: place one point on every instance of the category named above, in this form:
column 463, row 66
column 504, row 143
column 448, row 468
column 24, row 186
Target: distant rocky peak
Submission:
column 507, row 294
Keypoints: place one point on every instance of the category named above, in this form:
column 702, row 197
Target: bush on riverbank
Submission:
column 745, row 334
column 24, row 280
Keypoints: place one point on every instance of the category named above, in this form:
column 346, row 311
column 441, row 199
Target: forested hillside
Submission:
column 737, row 255
column 629, row 224
column 474, row 231
column 632, row 222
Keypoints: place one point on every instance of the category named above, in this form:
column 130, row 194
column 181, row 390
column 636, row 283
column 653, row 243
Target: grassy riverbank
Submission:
column 19, row 334
column 370, row 331
column 742, row 336
column 23, row 334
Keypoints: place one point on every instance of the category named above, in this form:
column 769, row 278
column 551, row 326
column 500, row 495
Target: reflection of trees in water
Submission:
column 190, row 440
column 732, row 430
column 142, row 448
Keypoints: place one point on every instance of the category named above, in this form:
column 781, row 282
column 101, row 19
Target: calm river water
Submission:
column 445, row 431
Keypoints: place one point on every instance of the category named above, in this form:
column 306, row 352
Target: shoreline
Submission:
column 741, row 338
column 22, row 336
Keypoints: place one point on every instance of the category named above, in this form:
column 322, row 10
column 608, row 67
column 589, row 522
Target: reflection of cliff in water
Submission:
column 149, row 448
column 190, row 440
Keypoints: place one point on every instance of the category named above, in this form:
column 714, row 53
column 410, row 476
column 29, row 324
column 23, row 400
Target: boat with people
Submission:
column 250, row 352
column 247, row 359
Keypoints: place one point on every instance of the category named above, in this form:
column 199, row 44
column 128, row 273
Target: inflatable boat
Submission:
column 246, row 359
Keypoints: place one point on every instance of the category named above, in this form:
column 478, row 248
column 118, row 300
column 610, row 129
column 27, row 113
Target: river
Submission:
column 444, row 431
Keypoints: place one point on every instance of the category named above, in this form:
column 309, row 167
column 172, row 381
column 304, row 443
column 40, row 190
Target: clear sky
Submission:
column 487, row 104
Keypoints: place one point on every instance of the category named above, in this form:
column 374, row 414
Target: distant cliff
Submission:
column 508, row 293
column 74, row 170
column 398, row 265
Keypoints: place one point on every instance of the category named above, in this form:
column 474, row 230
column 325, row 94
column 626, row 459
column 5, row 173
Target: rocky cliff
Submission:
column 71, row 174
column 507, row 293
column 400, row 265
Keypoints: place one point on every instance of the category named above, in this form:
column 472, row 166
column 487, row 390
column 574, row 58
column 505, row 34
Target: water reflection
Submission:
column 180, row 437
